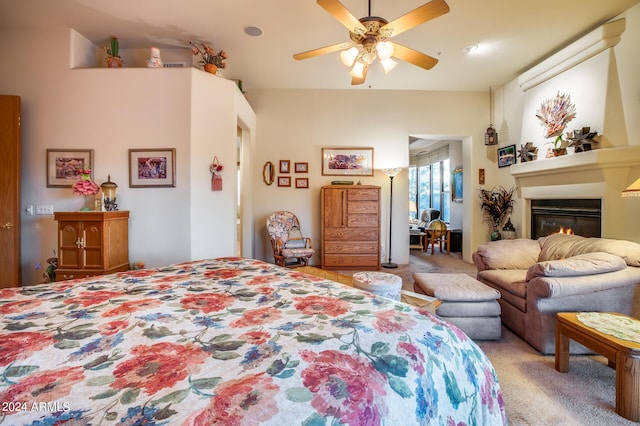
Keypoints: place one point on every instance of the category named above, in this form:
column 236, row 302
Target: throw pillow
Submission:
column 510, row 254
column 584, row 264
column 295, row 239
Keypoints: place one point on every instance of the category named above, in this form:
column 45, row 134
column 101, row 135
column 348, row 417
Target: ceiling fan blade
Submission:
column 356, row 80
column 321, row 51
column 342, row 14
column 417, row 16
column 414, row 57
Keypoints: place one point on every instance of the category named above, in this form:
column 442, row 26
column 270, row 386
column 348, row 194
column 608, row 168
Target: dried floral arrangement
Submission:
column 554, row 114
column 497, row 203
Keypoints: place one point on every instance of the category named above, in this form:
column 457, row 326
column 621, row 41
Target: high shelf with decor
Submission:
column 350, row 227
column 92, row 243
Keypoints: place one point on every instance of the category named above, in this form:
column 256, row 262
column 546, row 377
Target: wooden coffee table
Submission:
column 623, row 354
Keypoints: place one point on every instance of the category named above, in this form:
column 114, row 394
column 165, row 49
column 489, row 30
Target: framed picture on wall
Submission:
column 64, row 165
column 284, row 181
column 301, row 167
column 506, row 156
column 285, row 166
column 347, row 161
column 456, row 186
column 302, row 182
column 152, row 168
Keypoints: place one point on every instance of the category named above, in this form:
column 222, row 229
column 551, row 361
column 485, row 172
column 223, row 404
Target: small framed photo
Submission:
column 64, row 165
column 347, row 161
column 284, row 181
column 302, row 182
column 506, row 156
column 152, row 168
column 285, row 166
column 301, row 167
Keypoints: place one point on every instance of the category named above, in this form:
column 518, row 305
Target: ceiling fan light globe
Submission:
column 349, row 56
column 368, row 58
column 388, row 64
column 358, row 70
column 384, row 49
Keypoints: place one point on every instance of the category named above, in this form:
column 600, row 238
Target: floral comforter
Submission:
column 233, row 341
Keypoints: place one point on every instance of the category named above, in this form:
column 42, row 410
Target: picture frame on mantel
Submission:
column 64, row 165
column 152, row 168
column 354, row 161
column 506, row 156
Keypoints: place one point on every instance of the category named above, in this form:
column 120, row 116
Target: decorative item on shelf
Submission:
column 209, row 59
column 554, row 114
column 509, row 231
column 392, row 172
column 582, row 139
column 154, row 60
column 49, row 275
column 528, row 152
column 109, row 195
column 113, row 53
column 506, row 156
column 216, row 174
column 496, row 204
column 85, row 186
column 343, row 182
column 491, row 136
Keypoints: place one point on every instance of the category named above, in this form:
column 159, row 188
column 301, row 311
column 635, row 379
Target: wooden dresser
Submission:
column 350, row 227
column 92, row 243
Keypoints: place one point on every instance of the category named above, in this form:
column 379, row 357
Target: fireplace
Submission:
column 582, row 216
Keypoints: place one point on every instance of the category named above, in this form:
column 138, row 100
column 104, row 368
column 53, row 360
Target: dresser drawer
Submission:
column 350, row 262
column 351, row 234
column 363, row 194
column 363, row 220
column 370, row 207
column 351, row 247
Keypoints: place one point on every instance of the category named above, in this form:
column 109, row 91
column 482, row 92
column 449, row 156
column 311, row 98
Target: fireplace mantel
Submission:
column 597, row 159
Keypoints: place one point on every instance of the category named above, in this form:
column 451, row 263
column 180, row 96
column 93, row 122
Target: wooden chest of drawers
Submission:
column 350, row 227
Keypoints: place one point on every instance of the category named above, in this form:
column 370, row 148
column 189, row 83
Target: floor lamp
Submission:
column 391, row 173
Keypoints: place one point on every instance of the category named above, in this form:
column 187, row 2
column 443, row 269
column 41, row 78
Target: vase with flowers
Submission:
column 85, row 186
column 209, row 58
column 497, row 203
column 554, row 114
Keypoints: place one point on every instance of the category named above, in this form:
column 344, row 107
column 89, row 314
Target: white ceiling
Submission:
column 512, row 35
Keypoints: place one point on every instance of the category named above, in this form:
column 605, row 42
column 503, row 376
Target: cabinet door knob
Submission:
column 7, row 225
column 80, row 242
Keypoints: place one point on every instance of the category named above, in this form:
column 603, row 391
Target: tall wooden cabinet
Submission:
column 92, row 243
column 350, row 227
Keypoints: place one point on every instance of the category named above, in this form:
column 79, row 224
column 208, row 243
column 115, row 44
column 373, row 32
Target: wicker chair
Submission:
column 290, row 248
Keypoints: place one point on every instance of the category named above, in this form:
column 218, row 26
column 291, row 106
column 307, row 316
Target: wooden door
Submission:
column 9, row 191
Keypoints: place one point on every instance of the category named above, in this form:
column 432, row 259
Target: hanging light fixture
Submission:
column 491, row 136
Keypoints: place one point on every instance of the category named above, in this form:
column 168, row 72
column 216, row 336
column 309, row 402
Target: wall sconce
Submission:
column 109, row 195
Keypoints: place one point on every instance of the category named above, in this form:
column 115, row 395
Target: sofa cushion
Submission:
column 583, row 264
column 560, row 246
column 519, row 253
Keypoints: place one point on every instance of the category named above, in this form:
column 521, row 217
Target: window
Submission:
column 430, row 187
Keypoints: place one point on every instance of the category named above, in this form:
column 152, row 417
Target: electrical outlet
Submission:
column 43, row 209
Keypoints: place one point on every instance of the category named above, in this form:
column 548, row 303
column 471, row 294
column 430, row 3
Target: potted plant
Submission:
column 210, row 60
column 497, row 203
column 554, row 114
column 113, row 53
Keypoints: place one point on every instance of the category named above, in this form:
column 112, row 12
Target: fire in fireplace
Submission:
column 582, row 216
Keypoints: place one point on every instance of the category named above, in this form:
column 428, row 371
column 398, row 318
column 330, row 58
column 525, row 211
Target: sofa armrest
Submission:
column 550, row 287
column 479, row 262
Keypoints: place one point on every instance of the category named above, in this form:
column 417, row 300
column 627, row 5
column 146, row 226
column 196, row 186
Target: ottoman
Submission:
column 380, row 283
column 466, row 302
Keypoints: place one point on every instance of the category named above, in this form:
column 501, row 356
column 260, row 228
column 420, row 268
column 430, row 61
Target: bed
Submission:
column 233, row 341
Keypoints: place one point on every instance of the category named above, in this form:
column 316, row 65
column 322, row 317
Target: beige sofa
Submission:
column 559, row 273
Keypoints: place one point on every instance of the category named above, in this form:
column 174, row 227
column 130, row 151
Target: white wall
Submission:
column 295, row 124
column 111, row 111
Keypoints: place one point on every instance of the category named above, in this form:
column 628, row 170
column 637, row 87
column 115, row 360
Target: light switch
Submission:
column 29, row 210
column 44, row 209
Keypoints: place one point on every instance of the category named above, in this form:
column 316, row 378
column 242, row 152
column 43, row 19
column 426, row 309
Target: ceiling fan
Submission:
column 369, row 38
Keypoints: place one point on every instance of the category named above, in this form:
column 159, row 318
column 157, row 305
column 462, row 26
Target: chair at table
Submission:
column 290, row 248
column 437, row 232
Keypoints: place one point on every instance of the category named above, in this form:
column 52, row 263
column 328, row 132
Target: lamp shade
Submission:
column 632, row 190
column 384, row 49
column 358, row 70
column 349, row 56
column 388, row 64
column 391, row 172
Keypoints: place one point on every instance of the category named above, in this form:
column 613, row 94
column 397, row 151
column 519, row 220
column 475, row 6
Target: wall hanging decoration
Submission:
column 152, row 168
column 554, row 114
column 347, row 161
column 285, row 166
column 268, row 172
column 456, row 186
column 491, row 136
column 64, row 166
column 528, row 152
column 582, row 139
column 301, row 167
column 284, row 181
column 302, row 182
column 216, row 174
